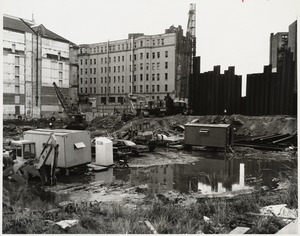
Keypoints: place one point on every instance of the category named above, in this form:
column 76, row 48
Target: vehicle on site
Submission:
column 142, row 105
column 135, row 149
column 119, row 151
column 24, row 162
column 142, row 134
column 177, row 106
column 122, row 152
column 76, row 119
column 167, row 141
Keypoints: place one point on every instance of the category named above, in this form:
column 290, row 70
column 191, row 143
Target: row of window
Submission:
column 122, row 58
column 86, row 71
column 86, row 90
column 141, row 55
column 121, row 89
column 123, row 46
column 121, row 79
column 118, row 69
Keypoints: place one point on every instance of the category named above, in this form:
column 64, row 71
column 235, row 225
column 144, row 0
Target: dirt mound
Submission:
column 245, row 125
column 158, row 123
column 112, row 122
column 265, row 125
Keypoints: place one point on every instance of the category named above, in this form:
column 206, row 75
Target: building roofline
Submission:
column 120, row 40
column 18, row 18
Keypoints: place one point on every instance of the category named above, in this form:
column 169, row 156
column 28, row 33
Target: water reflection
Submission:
column 206, row 176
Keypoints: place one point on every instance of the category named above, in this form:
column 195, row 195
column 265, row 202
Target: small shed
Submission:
column 104, row 151
column 74, row 145
column 209, row 135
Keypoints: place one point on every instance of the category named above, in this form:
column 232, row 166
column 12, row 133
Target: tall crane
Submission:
column 191, row 32
column 191, row 40
column 77, row 120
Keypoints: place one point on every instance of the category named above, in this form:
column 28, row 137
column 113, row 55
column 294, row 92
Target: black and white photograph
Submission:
column 149, row 117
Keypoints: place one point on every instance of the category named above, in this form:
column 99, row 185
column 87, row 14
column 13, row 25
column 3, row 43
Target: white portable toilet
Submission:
column 104, row 151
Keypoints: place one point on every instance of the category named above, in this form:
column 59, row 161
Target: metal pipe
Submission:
column 31, row 77
column 37, row 69
column 37, row 64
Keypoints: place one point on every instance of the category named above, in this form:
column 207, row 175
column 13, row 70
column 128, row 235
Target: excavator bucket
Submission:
column 18, row 166
column 20, row 172
column 30, row 169
column 20, row 179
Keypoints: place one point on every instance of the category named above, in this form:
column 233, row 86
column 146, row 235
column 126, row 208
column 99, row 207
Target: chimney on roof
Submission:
column 32, row 18
column 13, row 48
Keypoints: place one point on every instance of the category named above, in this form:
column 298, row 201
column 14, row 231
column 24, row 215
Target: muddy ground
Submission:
column 109, row 125
column 129, row 196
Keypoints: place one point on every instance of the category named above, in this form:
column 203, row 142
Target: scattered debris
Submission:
column 67, row 223
column 149, row 225
column 206, row 219
column 280, row 211
column 240, row 230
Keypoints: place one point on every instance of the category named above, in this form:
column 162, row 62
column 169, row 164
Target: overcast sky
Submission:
column 229, row 32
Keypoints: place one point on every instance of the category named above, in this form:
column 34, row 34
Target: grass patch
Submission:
column 111, row 218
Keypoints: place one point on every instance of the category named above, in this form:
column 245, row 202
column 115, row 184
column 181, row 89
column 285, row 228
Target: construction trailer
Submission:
column 74, row 145
column 208, row 135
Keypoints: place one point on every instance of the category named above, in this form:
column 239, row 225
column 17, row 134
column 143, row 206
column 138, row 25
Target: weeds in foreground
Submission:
column 224, row 215
column 291, row 195
column 269, row 225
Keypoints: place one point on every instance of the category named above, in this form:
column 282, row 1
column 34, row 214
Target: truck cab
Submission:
column 23, row 150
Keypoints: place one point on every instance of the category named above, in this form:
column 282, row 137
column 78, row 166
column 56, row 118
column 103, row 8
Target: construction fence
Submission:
column 267, row 93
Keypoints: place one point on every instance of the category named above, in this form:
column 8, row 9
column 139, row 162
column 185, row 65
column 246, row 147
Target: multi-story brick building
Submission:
column 33, row 58
column 148, row 65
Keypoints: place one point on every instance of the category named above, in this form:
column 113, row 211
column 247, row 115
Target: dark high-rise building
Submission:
column 280, row 43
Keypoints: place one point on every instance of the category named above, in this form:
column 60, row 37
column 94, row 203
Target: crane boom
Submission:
column 64, row 103
column 76, row 118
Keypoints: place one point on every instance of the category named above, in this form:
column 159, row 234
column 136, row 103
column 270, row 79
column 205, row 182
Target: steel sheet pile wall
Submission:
column 272, row 93
column 211, row 92
column 267, row 93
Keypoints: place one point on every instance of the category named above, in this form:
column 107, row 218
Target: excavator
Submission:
column 20, row 161
column 76, row 119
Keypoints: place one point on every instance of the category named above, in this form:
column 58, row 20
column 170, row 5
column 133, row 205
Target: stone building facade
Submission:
column 151, row 66
column 33, row 58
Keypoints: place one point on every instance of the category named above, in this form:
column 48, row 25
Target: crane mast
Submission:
column 191, row 34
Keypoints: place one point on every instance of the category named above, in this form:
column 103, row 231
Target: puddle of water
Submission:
column 207, row 176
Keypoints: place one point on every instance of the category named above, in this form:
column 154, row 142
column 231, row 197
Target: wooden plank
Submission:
column 271, row 215
column 149, row 225
column 240, row 230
